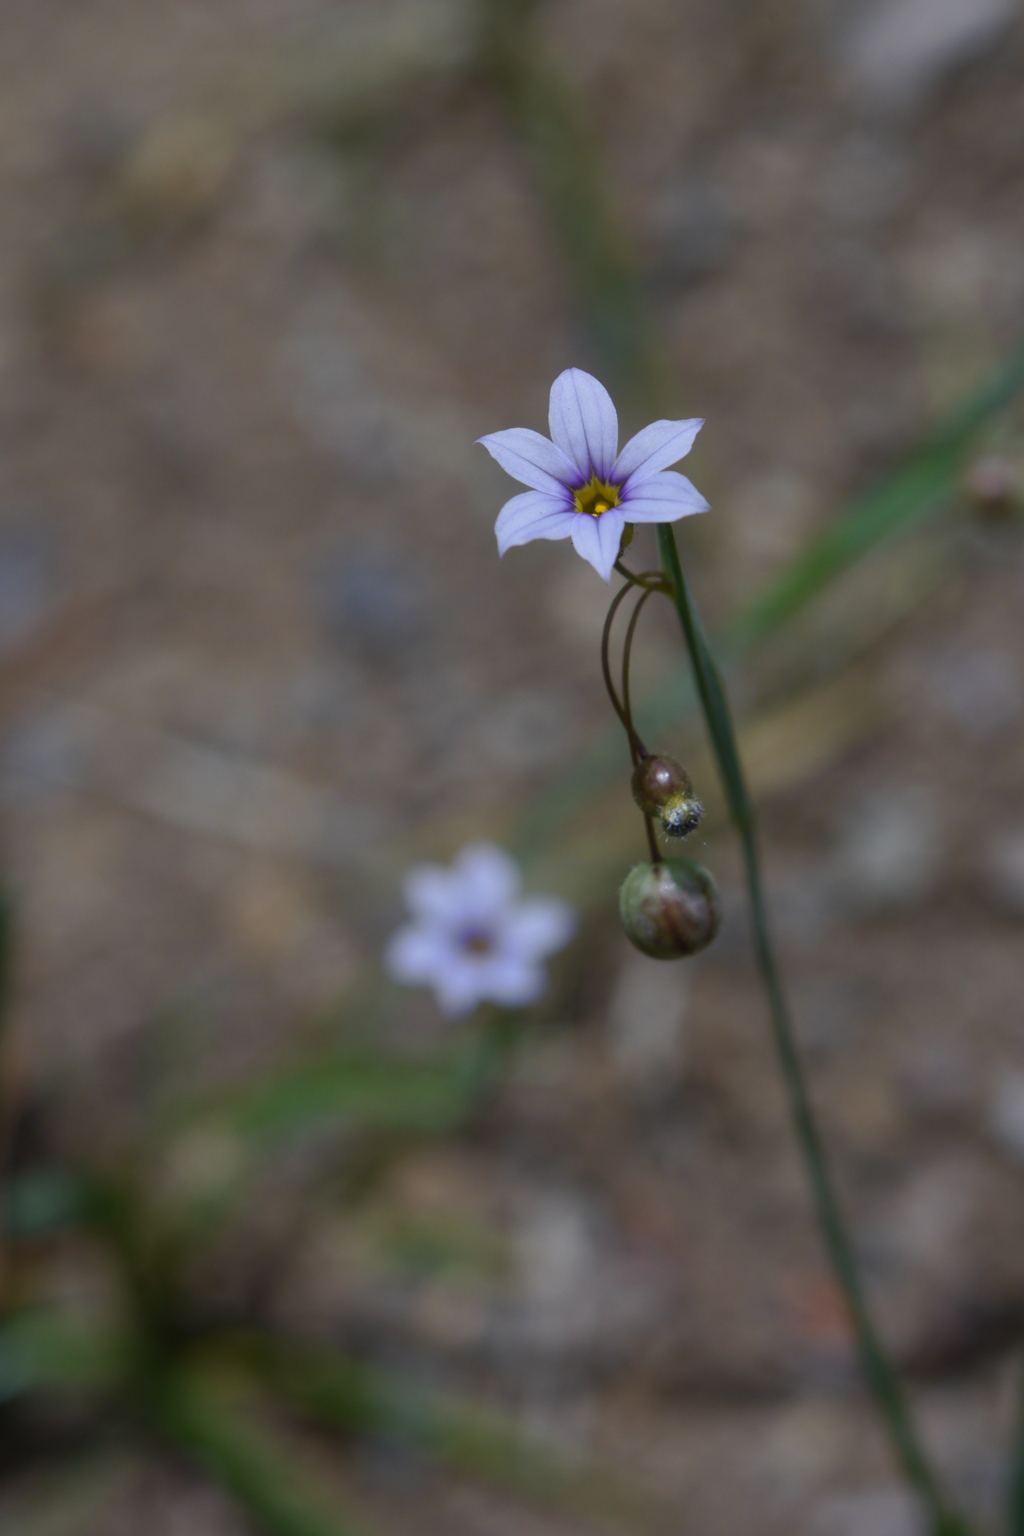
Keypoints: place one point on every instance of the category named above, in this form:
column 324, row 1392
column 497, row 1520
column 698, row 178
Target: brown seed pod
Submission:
column 662, row 788
column 670, row 909
column 993, row 486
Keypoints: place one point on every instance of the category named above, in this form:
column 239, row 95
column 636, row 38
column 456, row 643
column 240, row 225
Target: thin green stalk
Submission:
column 881, row 1377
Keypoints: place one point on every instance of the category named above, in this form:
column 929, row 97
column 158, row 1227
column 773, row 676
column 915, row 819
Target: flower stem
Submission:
column 635, row 745
column 627, row 654
column 878, row 1369
column 621, row 706
column 606, row 671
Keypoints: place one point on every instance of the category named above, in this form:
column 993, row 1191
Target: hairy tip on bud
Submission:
column 662, row 788
column 670, row 909
column 680, row 814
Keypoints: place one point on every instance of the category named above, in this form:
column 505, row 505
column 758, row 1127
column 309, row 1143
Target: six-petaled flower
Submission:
column 473, row 938
column 581, row 486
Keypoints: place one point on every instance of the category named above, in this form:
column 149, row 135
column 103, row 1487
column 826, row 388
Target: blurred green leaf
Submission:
column 368, row 1087
column 920, row 486
column 41, row 1349
column 6, row 954
column 220, row 1424
column 465, row 1436
column 44, row 1200
column 430, row 1245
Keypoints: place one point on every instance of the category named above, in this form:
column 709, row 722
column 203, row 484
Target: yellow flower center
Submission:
column 476, row 942
column 596, row 496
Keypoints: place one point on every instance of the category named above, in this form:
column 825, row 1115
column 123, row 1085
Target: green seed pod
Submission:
column 662, row 788
column 669, row 909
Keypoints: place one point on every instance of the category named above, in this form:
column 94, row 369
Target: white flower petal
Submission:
column 489, row 878
column 662, row 499
column 538, row 926
column 416, row 953
column 511, row 981
column 534, row 515
column 653, row 448
column 583, row 422
column 459, row 985
column 531, row 459
column 433, row 892
column 597, row 539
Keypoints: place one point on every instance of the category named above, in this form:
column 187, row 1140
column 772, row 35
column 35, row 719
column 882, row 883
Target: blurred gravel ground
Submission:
column 264, row 278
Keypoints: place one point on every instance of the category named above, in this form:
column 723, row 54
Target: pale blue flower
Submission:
column 472, row 937
column 582, row 487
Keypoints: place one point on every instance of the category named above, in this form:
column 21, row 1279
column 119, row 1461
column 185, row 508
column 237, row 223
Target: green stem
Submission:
column 881, row 1377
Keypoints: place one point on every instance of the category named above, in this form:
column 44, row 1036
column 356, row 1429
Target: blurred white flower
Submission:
column 472, row 937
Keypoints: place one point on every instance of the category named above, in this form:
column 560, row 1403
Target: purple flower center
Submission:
column 596, row 496
column 476, row 941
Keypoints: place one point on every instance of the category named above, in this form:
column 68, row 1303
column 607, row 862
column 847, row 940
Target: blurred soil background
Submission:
column 268, row 268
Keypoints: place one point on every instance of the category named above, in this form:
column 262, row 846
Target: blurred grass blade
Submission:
column 370, row 1088
column 921, row 485
column 556, row 131
column 40, row 1349
column 462, row 1435
column 9, row 1069
column 205, row 1413
column 1015, row 1481
column 6, row 956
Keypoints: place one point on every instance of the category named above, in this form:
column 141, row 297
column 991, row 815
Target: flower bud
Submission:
column 669, row 909
column 661, row 787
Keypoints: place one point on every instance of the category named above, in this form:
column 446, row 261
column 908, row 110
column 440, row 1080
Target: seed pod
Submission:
column 661, row 787
column 993, row 486
column 669, row 909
